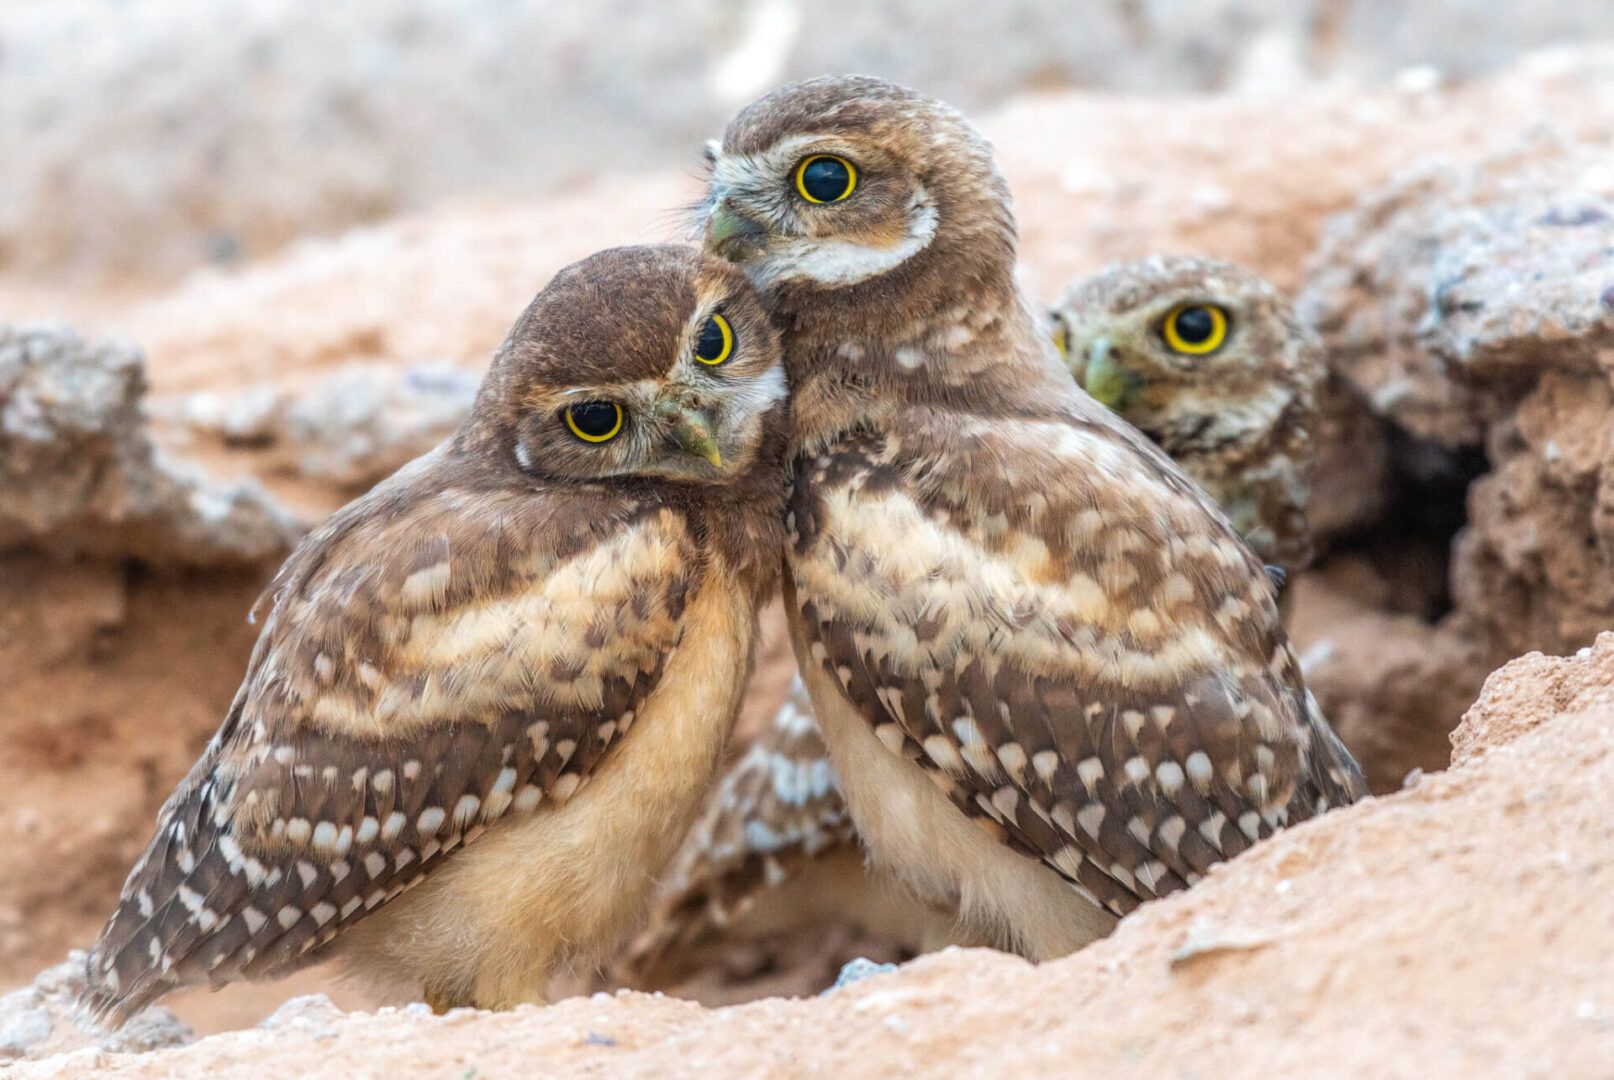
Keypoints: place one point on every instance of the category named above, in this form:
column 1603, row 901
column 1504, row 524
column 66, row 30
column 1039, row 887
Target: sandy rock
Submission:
column 1353, row 486
column 1445, row 294
column 1466, row 923
column 1473, row 307
column 1529, row 692
column 351, row 428
column 81, row 475
column 1391, row 684
column 43, row 1019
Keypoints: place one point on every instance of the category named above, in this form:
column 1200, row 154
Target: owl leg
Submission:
column 520, row 976
column 441, row 1001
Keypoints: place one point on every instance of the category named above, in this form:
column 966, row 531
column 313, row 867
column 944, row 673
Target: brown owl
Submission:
column 1052, row 679
column 491, row 694
column 1234, row 376
column 1211, row 363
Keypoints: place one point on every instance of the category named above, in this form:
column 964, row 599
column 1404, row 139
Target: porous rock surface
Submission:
column 79, row 473
column 1472, row 307
column 43, row 1019
column 351, row 428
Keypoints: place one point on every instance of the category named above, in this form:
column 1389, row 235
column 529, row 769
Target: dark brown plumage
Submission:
column 500, row 681
column 1052, row 679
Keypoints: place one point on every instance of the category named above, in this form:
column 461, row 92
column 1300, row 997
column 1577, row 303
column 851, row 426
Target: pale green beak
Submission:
column 1102, row 376
column 730, row 234
column 691, row 429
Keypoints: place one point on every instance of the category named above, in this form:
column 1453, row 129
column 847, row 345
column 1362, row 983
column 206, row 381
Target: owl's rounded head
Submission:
column 1200, row 355
column 637, row 362
column 861, row 187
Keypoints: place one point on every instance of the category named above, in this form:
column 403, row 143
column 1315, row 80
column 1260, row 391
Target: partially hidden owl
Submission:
column 1052, row 680
column 1212, row 363
column 491, row 694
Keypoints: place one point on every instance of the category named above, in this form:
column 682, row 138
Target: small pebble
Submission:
column 858, row 970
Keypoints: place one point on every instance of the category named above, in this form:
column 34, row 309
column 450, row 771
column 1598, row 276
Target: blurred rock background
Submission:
column 154, row 136
column 255, row 255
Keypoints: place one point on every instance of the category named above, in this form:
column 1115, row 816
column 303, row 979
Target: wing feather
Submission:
column 435, row 659
column 1076, row 646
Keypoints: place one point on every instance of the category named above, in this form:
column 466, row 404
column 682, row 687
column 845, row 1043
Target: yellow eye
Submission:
column 825, row 178
column 1195, row 329
column 594, row 421
column 716, row 341
column 1060, row 334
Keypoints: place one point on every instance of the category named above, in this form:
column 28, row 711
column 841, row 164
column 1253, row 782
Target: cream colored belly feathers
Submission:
column 537, row 896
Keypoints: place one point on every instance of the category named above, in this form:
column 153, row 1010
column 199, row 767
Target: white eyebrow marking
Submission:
column 846, row 262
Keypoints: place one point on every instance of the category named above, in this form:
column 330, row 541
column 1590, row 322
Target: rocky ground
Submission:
column 1452, row 242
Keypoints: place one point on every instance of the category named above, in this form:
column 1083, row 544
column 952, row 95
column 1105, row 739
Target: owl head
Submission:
column 637, row 363
column 862, row 188
column 1200, row 355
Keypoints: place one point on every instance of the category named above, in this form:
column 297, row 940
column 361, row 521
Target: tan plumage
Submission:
column 490, row 694
column 777, row 807
column 1238, row 420
column 1052, row 680
column 1239, row 417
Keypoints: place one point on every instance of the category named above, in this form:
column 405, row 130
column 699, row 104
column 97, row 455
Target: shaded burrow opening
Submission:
column 1410, row 544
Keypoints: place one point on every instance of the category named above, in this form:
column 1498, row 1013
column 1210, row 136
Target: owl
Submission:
column 491, row 694
column 1052, row 680
column 1230, row 378
column 1211, row 363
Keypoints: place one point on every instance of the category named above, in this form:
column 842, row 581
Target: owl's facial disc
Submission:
column 822, row 210
column 637, row 364
column 1136, row 360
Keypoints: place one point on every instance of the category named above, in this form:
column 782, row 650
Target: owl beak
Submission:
column 1103, row 376
column 730, row 234
column 691, row 431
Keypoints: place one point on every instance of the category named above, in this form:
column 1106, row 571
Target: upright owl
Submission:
column 490, row 695
column 1052, row 679
column 1211, row 363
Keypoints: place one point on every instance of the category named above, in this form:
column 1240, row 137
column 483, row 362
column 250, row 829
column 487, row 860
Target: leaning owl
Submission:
column 1052, row 680
column 491, row 694
column 1208, row 360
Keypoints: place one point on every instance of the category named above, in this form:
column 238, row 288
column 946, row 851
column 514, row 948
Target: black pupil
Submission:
column 825, row 179
column 594, row 417
column 1195, row 325
column 710, row 345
